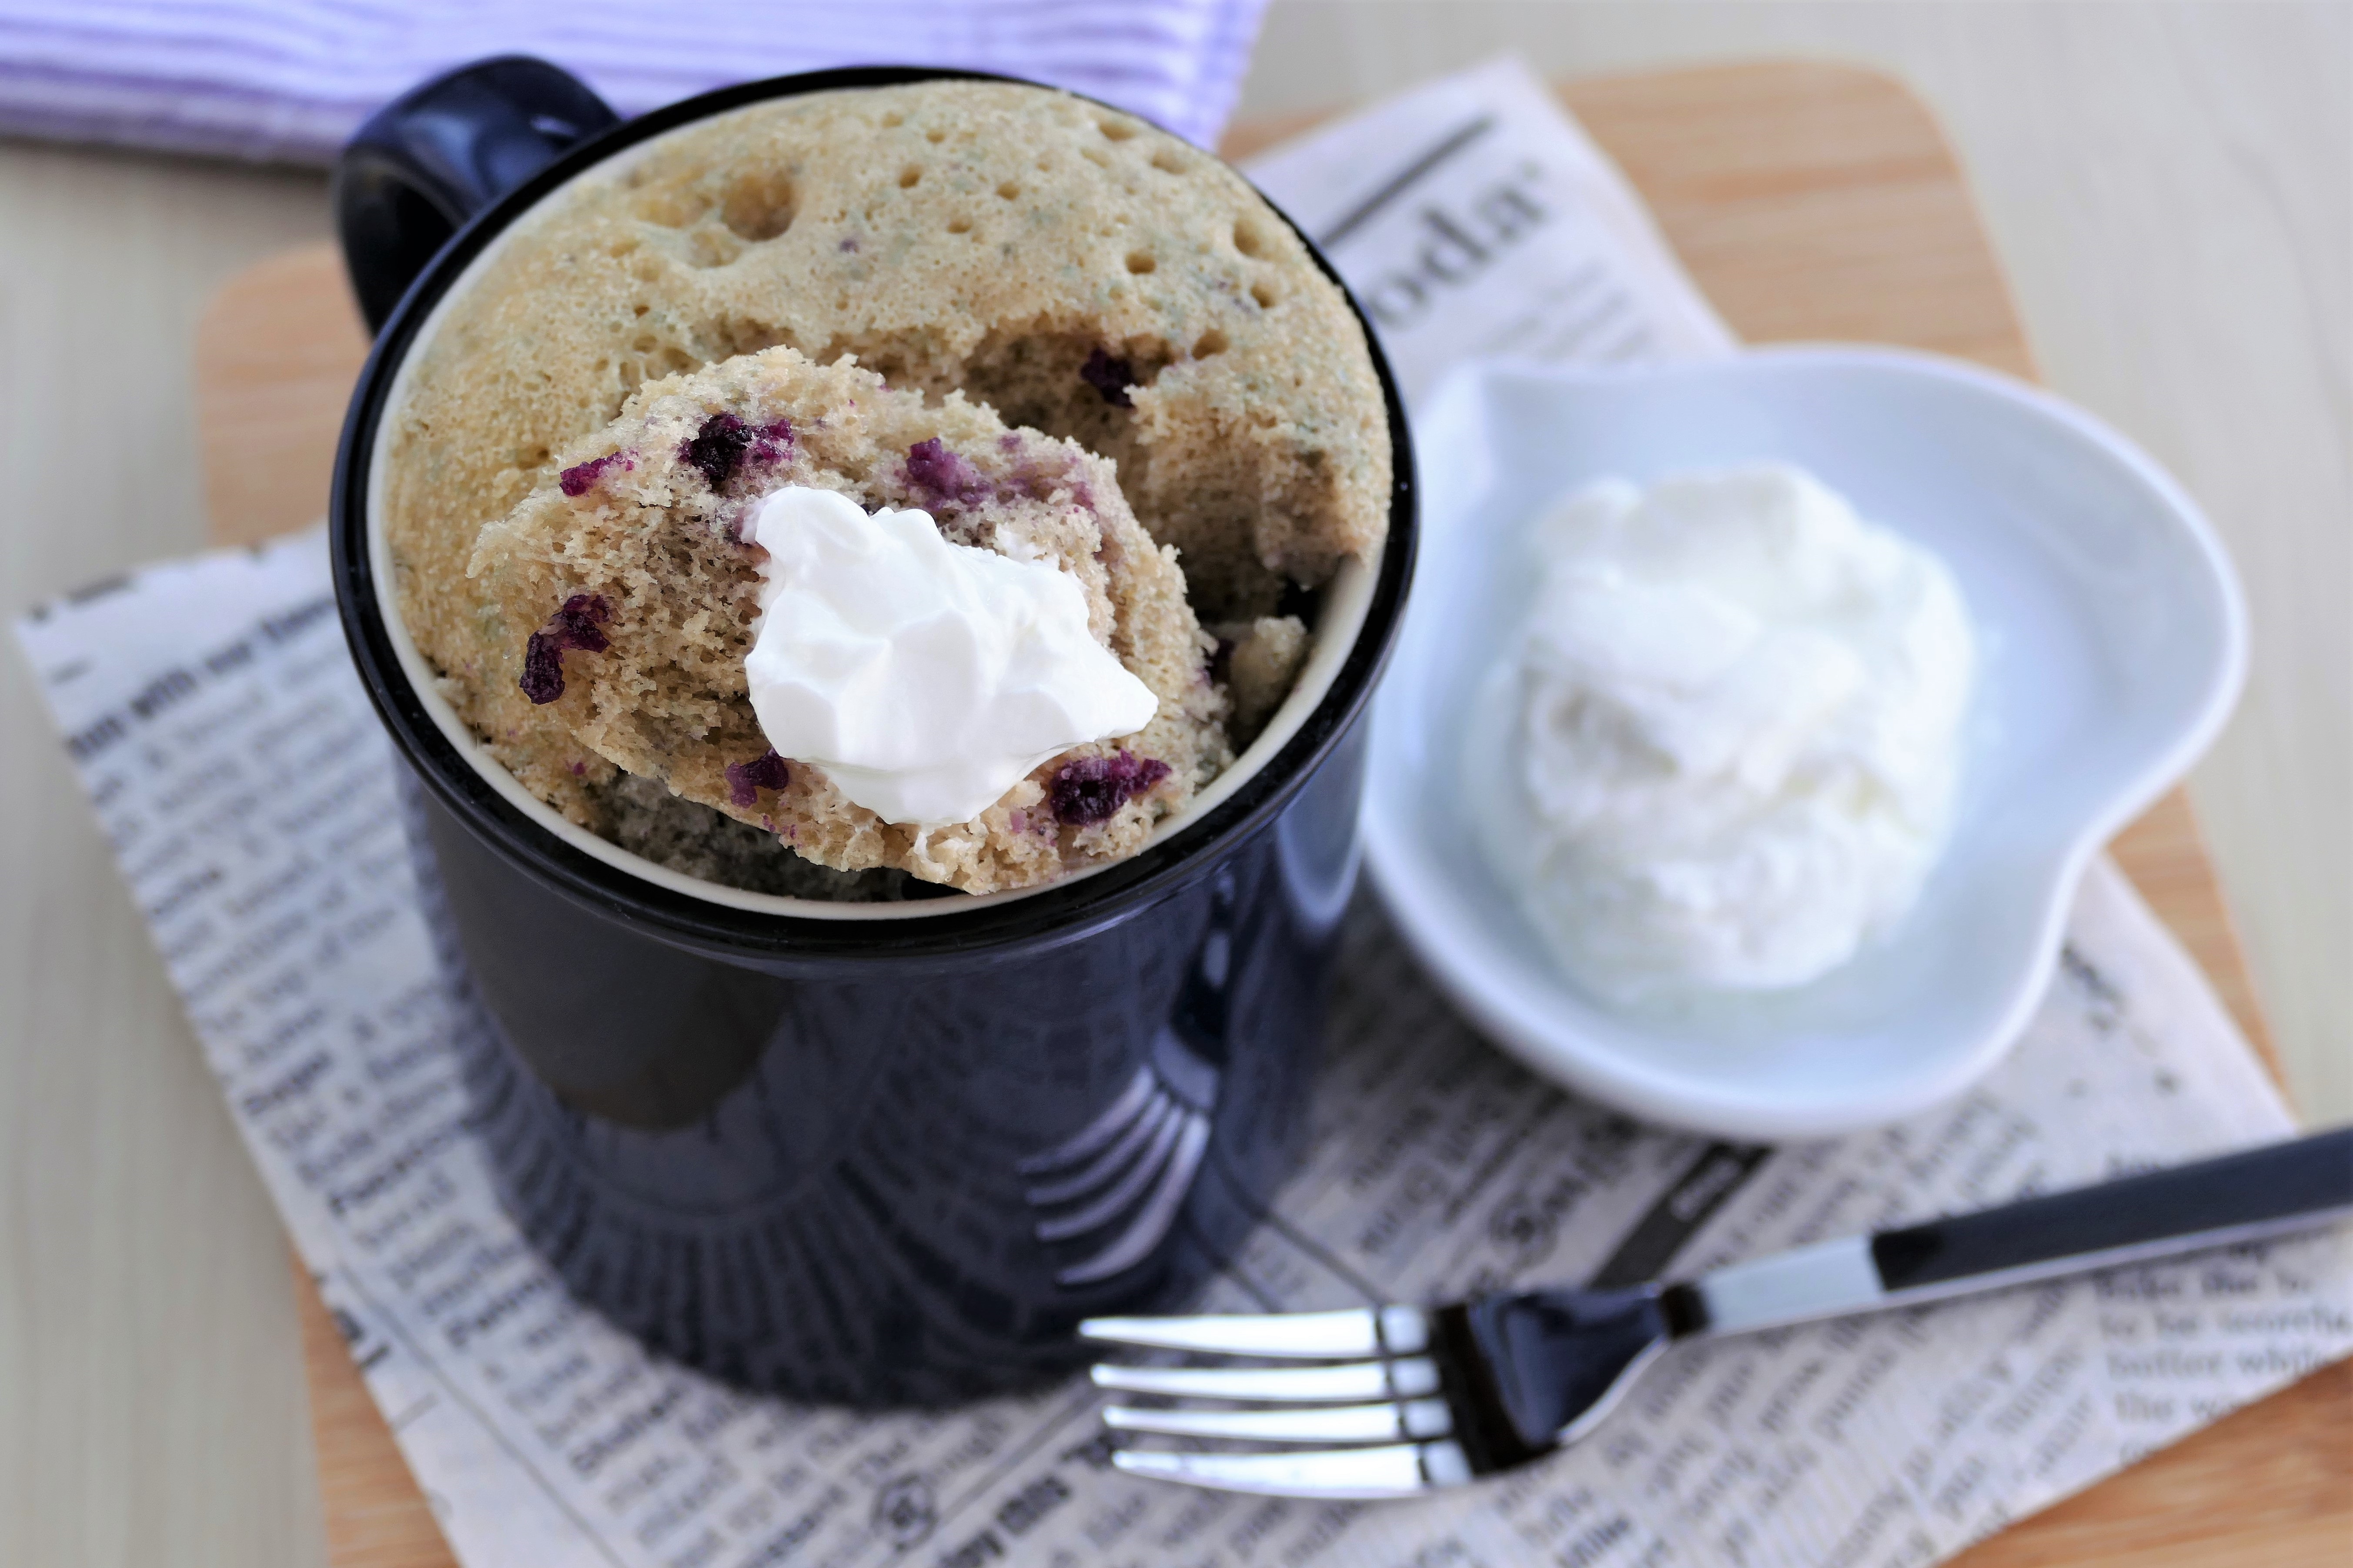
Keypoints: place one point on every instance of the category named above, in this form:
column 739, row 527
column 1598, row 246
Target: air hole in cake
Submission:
column 712, row 247
column 1212, row 341
column 1116, row 130
column 1141, row 261
column 885, row 358
column 673, row 208
column 1247, row 239
column 893, row 120
column 909, row 177
column 1009, row 190
column 639, row 310
column 1166, row 161
column 1265, row 294
column 959, row 225
column 732, row 335
column 758, row 207
column 935, row 135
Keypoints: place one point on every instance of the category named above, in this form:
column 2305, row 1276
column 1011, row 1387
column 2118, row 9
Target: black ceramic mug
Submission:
column 881, row 1153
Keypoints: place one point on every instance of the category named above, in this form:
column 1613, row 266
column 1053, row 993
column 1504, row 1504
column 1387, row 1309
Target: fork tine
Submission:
column 1398, row 1469
column 1346, row 1382
column 1357, row 1332
column 1409, row 1421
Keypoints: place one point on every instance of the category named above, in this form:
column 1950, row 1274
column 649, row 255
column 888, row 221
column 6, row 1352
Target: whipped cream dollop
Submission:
column 1734, row 732
column 925, row 678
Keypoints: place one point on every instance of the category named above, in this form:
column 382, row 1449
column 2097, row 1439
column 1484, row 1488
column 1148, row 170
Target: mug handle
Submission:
column 424, row 163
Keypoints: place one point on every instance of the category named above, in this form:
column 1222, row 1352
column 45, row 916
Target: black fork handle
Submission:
column 2257, row 1191
column 2237, row 1197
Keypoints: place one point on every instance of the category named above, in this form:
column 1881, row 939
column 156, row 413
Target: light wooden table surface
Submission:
column 2172, row 190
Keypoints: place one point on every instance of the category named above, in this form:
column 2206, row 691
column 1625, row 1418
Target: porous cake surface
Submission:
column 1070, row 266
column 629, row 587
column 1258, row 661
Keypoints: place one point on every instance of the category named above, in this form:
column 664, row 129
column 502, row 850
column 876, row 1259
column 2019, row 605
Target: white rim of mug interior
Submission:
column 1347, row 600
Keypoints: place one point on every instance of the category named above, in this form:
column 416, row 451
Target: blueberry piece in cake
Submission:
column 720, row 447
column 581, row 478
column 1085, row 791
column 746, row 780
column 577, row 623
column 1110, row 377
column 944, row 480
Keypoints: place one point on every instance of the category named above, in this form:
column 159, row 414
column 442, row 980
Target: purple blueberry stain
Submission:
column 849, row 243
column 1110, row 377
column 1089, row 790
column 714, row 450
column 947, row 477
column 581, row 478
column 576, row 625
column 718, row 449
column 746, row 780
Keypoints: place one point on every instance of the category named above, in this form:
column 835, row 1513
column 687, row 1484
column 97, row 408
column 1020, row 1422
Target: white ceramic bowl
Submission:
column 2112, row 642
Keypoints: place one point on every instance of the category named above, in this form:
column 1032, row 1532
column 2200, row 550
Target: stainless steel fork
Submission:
column 1381, row 1402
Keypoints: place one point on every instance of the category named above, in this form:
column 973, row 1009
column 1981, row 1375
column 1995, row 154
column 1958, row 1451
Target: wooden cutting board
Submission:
column 1810, row 201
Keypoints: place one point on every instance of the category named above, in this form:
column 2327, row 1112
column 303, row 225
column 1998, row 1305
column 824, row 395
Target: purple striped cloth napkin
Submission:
column 287, row 81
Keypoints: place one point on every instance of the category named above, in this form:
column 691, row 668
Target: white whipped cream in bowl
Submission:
column 1753, row 720
column 1735, row 726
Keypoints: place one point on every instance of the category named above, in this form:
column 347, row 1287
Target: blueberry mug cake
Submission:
column 977, row 319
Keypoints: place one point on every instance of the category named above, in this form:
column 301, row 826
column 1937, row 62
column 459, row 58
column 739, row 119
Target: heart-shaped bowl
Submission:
column 2111, row 644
